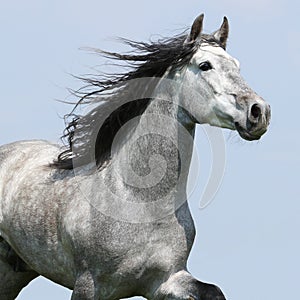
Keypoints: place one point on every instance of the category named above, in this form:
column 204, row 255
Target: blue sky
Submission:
column 248, row 238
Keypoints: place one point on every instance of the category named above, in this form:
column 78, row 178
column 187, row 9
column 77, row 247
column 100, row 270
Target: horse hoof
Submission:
column 212, row 293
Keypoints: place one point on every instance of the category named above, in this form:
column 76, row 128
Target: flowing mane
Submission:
column 146, row 60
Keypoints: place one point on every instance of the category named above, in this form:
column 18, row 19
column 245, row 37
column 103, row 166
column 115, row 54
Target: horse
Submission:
column 107, row 214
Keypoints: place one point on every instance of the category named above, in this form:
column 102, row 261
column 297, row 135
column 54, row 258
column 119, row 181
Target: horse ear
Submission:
column 221, row 35
column 196, row 29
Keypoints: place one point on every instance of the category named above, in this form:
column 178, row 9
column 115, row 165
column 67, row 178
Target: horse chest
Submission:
column 118, row 248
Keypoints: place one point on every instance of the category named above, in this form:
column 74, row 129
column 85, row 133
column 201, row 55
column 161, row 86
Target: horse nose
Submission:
column 255, row 111
column 259, row 112
column 258, row 117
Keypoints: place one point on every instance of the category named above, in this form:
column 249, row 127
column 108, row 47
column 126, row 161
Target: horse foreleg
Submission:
column 84, row 288
column 183, row 285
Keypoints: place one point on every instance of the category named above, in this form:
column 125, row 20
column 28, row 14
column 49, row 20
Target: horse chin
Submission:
column 247, row 135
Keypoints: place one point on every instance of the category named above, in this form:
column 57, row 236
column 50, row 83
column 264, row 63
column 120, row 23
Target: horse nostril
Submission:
column 255, row 111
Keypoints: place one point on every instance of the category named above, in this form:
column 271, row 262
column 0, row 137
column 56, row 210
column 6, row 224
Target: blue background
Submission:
column 248, row 237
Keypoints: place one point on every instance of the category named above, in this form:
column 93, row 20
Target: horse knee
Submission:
column 84, row 288
column 183, row 286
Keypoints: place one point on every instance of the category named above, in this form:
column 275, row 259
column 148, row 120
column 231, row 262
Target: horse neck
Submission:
column 146, row 178
column 158, row 153
column 174, row 128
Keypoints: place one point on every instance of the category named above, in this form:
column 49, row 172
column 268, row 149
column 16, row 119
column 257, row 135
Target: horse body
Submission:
column 109, row 218
column 66, row 236
column 26, row 208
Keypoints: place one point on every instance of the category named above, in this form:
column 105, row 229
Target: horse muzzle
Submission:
column 257, row 121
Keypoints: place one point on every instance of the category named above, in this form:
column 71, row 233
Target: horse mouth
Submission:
column 247, row 135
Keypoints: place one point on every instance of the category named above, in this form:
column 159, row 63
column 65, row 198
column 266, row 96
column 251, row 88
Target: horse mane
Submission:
column 88, row 137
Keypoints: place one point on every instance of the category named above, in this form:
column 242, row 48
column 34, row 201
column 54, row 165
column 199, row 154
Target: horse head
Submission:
column 217, row 94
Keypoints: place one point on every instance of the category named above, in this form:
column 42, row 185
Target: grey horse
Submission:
column 107, row 216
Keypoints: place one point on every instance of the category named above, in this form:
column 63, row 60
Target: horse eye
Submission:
column 205, row 66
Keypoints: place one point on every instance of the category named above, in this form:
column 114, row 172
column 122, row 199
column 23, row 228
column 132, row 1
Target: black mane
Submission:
column 89, row 136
